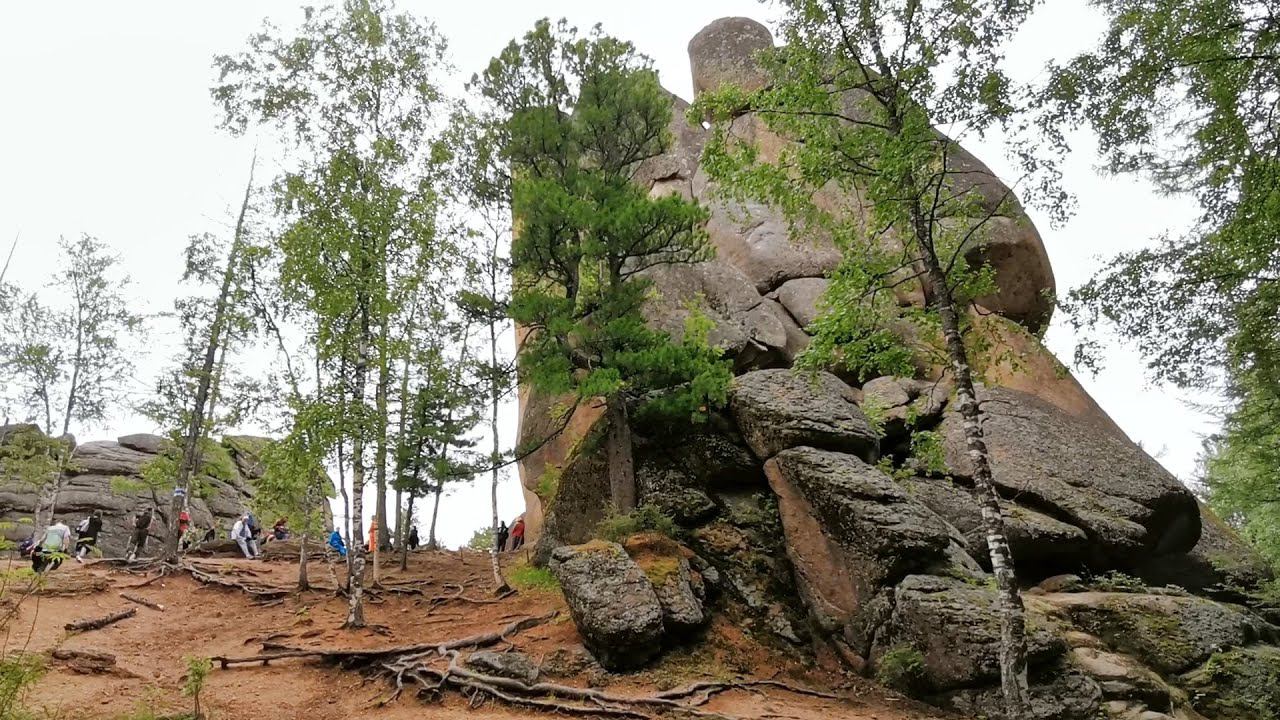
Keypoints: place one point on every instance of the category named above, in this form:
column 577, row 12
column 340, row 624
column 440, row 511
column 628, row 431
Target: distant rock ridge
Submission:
column 801, row 522
column 106, row 476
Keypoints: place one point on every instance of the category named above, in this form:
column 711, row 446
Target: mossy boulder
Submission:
column 1168, row 633
column 1239, row 684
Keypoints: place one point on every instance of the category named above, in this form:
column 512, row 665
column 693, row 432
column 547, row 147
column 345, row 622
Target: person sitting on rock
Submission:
column 241, row 533
column 141, row 529
column 500, row 538
column 517, row 533
column 56, row 544
column 87, row 535
column 280, row 531
column 335, row 542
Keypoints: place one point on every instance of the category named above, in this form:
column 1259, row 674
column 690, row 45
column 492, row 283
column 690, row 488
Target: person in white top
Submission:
column 241, row 533
column 56, row 542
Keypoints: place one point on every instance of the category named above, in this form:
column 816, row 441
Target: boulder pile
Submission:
column 829, row 510
column 110, row 477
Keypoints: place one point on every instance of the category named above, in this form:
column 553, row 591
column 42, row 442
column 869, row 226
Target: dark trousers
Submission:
column 41, row 561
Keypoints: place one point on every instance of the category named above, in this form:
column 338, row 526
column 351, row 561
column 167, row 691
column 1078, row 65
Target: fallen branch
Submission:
column 95, row 623
column 90, row 661
column 143, row 601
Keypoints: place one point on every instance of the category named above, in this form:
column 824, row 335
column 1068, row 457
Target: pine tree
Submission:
column 573, row 117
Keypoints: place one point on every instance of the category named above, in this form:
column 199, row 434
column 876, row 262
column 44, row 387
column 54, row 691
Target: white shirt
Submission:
column 239, row 531
column 56, row 537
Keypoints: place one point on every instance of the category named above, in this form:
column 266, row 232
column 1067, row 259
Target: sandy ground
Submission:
column 208, row 620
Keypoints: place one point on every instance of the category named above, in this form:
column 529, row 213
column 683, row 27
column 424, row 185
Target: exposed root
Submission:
column 371, row 656
column 210, row 576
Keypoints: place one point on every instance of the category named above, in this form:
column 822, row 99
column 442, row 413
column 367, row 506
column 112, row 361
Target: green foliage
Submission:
column 198, row 669
column 928, row 452
column 574, row 117
column 526, row 578
column 481, row 539
column 29, row 457
column 857, row 89
column 876, row 414
column 19, row 672
column 548, row 484
column 1116, row 581
column 901, row 668
column 67, row 364
column 1182, row 92
column 1243, row 481
column 646, row 518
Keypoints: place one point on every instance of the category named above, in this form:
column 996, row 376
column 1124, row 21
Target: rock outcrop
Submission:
column 111, row 477
column 820, row 508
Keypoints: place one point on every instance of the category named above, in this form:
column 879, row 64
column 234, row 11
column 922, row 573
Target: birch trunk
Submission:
column 1013, row 640
column 380, row 451
column 499, row 583
column 355, row 582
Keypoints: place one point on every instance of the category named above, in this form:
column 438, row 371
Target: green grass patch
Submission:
column 527, row 578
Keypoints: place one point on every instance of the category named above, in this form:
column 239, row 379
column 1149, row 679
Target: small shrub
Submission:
column 645, row 518
column 876, row 414
column 18, row 673
column 1116, row 581
column 548, row 484
column 527, row 577
column 197, row 672
column 481, row 539
column 902, row 668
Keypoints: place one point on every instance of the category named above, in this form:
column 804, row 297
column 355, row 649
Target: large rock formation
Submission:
column 108, row 477
column 805, row 505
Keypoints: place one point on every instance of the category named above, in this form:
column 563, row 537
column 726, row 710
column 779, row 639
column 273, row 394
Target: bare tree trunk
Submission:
column 303, row 582
column 495, row 391
column 402, row 521
column 435, row 512
column 1013, row 640
column 404, row 537
column 622, row 473
column 196, row 422
column 355, row 583
column 380, row 452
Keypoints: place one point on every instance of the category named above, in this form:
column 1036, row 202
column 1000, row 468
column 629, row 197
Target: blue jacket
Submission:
column 335, row 542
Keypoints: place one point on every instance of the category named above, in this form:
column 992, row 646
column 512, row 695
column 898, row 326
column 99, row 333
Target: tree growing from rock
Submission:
column 356, row 92
column 856, row 93
column 574, row 118
column 67, row 363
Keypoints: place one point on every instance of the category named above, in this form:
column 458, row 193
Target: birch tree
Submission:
column 356, row 93
column 68, row 362
column 858, row 90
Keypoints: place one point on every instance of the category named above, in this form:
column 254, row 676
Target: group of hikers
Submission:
column 513, row 536
column 55, row 544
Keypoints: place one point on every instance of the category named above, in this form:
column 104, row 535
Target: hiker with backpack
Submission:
column 87, row 535
column 141, row 529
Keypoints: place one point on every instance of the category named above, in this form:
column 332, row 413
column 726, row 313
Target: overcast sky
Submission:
column 108, row 129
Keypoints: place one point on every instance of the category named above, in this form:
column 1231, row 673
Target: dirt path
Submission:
column 203, row 620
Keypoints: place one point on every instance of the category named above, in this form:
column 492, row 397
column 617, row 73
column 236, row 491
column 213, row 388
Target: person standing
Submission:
column 413, row 538
column 517, row 533
column 373, row 534
column 500, row 539
column 240, row 532
column 87, row 536
column 57, row 541
column 141, row 528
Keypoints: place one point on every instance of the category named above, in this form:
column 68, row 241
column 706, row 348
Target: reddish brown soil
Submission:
column 204, row 620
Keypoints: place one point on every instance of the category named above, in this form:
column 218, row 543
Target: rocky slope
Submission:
column 107, row 476
column 809, row 512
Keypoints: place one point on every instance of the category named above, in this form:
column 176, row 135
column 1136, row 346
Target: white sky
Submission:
column 107, row 128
